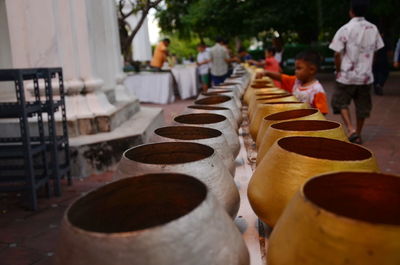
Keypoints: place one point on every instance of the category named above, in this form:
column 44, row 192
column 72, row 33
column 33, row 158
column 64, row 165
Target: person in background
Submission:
column 160, row 54
column 396, row 58
column 354, row 45
column 203, row 65
column 380, row 67
column 277, row 44
column 244, row 55
column 269, row 63
column 220, row 61
column 304, row 85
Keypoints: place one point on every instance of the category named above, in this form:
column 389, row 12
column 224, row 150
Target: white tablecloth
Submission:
column 151, row 87
column 186, row 79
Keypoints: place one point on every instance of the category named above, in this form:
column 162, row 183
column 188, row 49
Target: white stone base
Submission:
column 100, row 152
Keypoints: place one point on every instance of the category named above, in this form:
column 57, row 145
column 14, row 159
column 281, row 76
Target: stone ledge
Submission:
column 100, row 152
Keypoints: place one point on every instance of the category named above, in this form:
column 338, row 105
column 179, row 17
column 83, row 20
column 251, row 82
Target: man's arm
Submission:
column 204, row 62
column 338, row 62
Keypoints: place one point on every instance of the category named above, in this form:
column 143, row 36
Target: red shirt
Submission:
column 271, row 64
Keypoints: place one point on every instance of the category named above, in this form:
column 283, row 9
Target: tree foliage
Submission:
column 310, row 20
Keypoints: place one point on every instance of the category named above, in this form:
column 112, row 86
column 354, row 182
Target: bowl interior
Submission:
column 187, row 132
column 369, row 197
column 137, row 203
column 324, row 148
column 305, row 125
column 272, row 97
column 212, row 100
column 215, row 93
column 205, row 107
column 169, row 153
column 291, row 114
column 200, row 118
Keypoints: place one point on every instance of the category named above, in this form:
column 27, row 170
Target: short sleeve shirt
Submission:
column 313, row 94
column 218, row 54
column 357, row 42
column 201, row 57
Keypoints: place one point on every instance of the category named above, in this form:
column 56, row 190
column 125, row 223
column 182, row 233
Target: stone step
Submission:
column 91, row 154
column 77, row 126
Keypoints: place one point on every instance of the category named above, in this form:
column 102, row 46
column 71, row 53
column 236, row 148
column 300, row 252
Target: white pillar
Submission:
column 79, row 35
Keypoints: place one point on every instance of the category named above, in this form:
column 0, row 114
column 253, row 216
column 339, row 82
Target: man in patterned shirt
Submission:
column 355, row 44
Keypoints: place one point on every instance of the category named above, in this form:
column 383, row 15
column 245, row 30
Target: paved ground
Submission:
column 28, row 238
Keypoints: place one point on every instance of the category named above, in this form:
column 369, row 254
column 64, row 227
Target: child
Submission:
column 303, row 85
column 270, row 63
column 203, row 64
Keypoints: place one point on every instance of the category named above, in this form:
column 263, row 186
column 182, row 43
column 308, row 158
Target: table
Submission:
column 187, row 80
column 154, row 87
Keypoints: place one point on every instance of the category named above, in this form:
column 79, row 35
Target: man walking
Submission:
column 355, row 44
column 220, row 61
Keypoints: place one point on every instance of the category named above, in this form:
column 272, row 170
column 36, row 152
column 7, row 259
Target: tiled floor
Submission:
column 28, row 238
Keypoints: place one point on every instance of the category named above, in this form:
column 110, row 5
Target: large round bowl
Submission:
column 251, row 91
column 236, row 92
column 221, row 92
column 201, row 135
column 284, row 97
column 289, row 115
column 195, row 159
column 293, row 160
column 222, row 101
column 317, row 128
column 266, row 94
column 213, row 110
column 151, row 219
column 266, row 109
column 214, row 121
column 341, row 218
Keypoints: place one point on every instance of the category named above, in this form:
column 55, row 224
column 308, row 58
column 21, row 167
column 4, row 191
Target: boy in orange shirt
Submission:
column 303, row 85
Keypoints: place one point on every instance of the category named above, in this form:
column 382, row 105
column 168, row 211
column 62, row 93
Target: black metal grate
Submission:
column 30, row 162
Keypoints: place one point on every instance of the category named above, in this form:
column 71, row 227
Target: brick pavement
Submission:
column 28, row 238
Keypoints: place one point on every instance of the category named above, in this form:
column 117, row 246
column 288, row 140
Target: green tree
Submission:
column 310, row 21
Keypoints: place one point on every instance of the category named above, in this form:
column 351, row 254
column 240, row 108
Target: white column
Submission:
column 68, row 46
column 33, row 38
column 85, row 55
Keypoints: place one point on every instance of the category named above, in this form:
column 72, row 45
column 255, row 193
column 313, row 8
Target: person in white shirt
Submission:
column 355, row 44
column 396, row 58
column 220, row 61
column 203, row 66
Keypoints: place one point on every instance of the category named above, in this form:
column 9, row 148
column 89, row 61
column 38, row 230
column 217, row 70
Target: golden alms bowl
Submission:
column 297, row 114
column 251, row 91
column 265, row 99
column 340, row 218
column 293, row 160
column 266, row 109
column 316, row 128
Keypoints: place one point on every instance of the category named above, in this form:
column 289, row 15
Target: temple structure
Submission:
column 81, row 36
